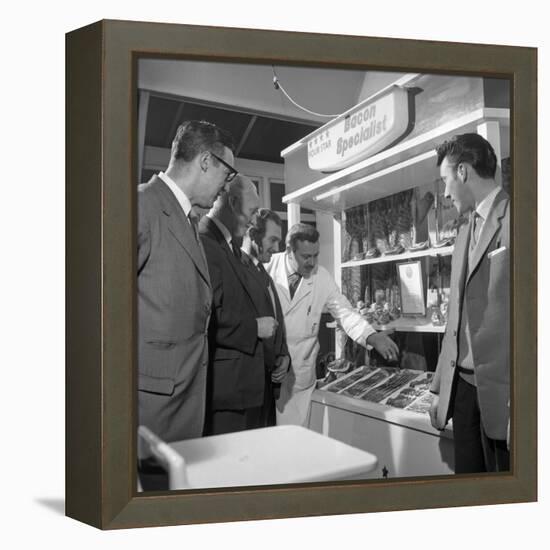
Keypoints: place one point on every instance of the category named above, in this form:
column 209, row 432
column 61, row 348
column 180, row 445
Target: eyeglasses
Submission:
column 232, row 172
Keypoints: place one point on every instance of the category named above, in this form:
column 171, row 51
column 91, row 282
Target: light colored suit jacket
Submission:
column 174, row 305
column 485, row 285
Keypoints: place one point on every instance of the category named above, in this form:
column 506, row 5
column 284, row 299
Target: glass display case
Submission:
column 387, row 210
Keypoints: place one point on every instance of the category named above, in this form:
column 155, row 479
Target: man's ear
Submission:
column 462, row 172
column 204, row 159
column 234, row 203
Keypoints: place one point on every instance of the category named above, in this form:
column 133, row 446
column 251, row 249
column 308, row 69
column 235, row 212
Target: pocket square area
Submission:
column 493, row 253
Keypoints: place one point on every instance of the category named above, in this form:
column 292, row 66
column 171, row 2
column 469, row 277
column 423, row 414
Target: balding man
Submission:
column 236, row 371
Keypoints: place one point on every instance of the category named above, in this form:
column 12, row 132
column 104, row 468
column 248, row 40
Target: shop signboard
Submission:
column 364, row 131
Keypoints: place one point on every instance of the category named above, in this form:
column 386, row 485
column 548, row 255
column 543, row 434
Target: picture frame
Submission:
column 101, row 62
column 411, row 285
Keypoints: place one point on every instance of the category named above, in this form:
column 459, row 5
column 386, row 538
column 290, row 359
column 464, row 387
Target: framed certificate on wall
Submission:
column 412, row 289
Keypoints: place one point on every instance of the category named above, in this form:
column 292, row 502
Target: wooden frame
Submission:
column 100, row 373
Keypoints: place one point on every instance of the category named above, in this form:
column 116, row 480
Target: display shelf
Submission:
column 405, row 324
column 391, row 171
column 411, row 324
column 443, row 251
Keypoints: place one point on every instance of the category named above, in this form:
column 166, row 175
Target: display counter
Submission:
column 385, row 411
column 371, row 176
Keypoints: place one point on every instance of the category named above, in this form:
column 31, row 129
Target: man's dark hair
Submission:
column 470, row 148
column 257, row 230
column 301, row 232
column 195, row 136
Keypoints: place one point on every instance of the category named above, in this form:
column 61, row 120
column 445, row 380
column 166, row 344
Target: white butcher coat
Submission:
column 302, row 315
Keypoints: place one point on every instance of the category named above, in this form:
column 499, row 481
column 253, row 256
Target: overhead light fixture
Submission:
column 390, row 169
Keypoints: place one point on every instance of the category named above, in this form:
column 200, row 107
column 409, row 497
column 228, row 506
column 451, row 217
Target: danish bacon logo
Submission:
column 361, row 133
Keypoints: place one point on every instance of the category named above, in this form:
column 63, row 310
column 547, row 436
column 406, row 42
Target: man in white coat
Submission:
column 305, row 291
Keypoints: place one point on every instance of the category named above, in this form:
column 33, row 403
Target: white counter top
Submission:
column 269, row 456
column 401, row 417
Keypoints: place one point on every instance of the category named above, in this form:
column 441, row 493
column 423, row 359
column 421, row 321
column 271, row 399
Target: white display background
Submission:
column 32, row 274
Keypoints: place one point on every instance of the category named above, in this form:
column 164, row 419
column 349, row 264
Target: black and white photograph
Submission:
column 158, row 156
column 323, row 274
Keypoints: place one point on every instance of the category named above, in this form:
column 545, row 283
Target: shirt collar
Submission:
column 289, row 270
column 225, row 232
column 484, row 207
column 179, row 194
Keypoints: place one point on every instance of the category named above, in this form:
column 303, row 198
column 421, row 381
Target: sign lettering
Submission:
column 365, row 131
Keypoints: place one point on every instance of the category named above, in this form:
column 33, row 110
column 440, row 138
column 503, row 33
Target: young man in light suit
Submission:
column 306, row 290
column 174, row 288
column 472, row 379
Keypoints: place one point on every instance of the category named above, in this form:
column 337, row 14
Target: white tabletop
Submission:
column 268, row 456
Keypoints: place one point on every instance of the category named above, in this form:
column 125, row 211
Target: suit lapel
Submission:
column 278, row 308
column 181, row 229
column 263, row 279
column 490, row 228
column 235, row 263
column 278, row 312
column 282, row 278
column 460, row 257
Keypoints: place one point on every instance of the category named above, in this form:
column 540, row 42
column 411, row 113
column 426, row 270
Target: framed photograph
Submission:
column 412, row 288
column 335, row 132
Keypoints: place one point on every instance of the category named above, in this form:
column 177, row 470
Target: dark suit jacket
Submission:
column 259, row 280
column 237, row 364
column 486, row 287
column 174, row 304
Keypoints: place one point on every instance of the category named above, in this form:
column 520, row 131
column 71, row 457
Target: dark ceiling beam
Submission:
column 246, row 111
column 175, row 124
column 246, row 134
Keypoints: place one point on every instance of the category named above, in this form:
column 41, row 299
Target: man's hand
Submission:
column 281, row 368
column 433, row 413
column 266, row 326
column 384, row 345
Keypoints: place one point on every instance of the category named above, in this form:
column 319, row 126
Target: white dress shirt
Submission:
column 179, row 194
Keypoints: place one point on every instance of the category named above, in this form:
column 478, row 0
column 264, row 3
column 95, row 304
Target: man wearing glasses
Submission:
column 174, row 286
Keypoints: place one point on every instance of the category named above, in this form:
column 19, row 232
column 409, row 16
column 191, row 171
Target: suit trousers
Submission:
column 228, row 421
column 271, row 392
column 474, row 451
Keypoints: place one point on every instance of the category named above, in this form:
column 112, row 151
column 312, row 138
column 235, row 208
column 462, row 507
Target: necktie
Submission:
column 194, row 222
column 477, row 221
column 236, row 249
column 293, row 282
